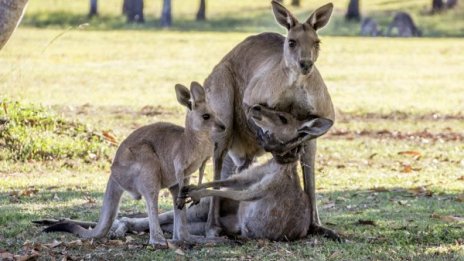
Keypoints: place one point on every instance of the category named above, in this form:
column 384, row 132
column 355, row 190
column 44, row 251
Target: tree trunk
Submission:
column 93, row 8
column 133, row 9
column 201, row 14
column 11, row 12
column 166, row 18
column 296, row 2
column 451, row 3
column 353, row 11
column 437, row 5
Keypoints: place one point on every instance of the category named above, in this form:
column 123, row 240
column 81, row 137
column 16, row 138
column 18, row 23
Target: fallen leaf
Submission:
column 372, row 155
column 129, row 239
column 410, row 153
column 54, row 244
column 116, row 242
column 448, row 218
column 110, row 137
column 74, row 243
column 336, row 255
column 366, row 222
column 461, row 178
column 420, row 191
column 406, row 168
column 55, row 197
column 29, row 191
column 402, row 202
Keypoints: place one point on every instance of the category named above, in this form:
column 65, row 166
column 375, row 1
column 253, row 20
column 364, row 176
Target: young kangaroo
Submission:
column 153, row 157
column 272, row 203
column 405, row 25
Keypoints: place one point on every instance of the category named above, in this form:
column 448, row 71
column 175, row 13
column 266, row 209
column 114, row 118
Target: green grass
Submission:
column 391, row 95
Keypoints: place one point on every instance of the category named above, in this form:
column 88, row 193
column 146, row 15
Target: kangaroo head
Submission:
column 284, row 127
column 301, row 47
column 200, row 117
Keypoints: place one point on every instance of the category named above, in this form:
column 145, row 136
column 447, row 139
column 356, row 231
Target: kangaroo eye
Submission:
column 283, row 119
column 291, row 43
column 206, row 116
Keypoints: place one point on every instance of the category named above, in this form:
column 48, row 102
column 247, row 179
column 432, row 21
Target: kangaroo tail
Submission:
column 107, row 216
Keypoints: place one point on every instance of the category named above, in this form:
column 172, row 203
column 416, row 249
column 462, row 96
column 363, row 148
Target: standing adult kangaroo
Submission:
column 277, row 72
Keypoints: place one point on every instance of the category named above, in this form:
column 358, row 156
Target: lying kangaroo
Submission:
column 278, row 72
column 405, row 25
column 153, row 157
column 272, row 203
column 369, row 27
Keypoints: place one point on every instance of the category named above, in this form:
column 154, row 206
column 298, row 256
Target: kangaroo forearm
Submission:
column 231, row 194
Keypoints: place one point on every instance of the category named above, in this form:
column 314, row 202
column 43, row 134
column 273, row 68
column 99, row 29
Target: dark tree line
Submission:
column 133, row 10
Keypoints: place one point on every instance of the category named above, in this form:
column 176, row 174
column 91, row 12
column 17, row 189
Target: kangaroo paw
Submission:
column 325, row 232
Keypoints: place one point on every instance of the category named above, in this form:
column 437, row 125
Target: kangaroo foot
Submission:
column 159, row 243
column 325, row 232
column 213, row 232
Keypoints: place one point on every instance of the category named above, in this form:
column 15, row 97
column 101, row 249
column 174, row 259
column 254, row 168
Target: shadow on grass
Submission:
column 398, row 218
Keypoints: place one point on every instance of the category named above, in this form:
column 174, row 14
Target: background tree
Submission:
column 296, row 2
column 451, row 3
column 437, row 5
column 201, row 14
column 93, row 8
column 353, row 11
column 166, row 18
column 133, row 9
column 11, row 13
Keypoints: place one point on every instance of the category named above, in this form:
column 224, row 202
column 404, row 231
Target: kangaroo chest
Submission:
column 297, row 97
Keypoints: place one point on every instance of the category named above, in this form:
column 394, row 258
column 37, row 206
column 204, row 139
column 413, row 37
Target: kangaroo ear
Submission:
column 283, row 16
column 198, row 93
column 315, row 127
column 183, row 96
column 320, row 17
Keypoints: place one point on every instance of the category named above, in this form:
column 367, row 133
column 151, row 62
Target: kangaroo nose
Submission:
column 305, row 65
column 220, row 126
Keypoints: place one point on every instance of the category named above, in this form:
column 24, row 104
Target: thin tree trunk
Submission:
column 201, row 14
column 437, row 5
column 93, row 8
column 450, row 4
column 11, row 12
column 133, row 9
column 353, row 11
column 296, row 2
column 166, row 18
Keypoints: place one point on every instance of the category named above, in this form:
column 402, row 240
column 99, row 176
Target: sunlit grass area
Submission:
column 390, row 174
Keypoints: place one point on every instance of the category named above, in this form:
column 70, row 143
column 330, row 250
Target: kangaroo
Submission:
column 153, row 157
column 278, row 72
column 271, row 202
column 405, row 25
column 369, row 27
